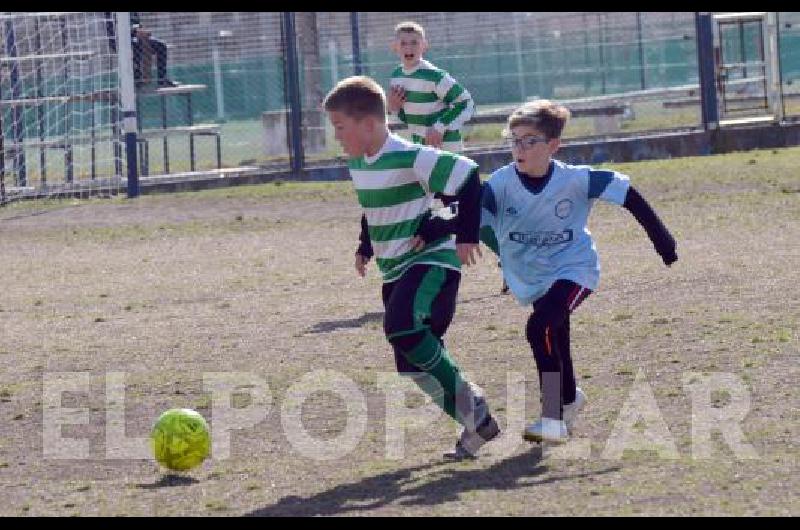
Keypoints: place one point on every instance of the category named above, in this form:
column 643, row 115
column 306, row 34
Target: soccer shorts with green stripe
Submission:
column 419, row 308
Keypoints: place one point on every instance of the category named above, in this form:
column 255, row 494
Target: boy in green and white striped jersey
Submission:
column 395, row 181
column 433, row 104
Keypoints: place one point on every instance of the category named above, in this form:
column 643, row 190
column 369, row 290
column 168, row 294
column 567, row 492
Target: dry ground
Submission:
column 260, row 280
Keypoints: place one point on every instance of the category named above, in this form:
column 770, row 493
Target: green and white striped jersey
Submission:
column 395, row 188
column 433, row 99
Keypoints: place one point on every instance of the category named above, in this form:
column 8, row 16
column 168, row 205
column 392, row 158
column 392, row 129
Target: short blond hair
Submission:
column 542, row 114
column 409, row 26
column 357, row 97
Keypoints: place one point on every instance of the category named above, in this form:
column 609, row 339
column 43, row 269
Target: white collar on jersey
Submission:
column 390, row 138
column 422, row 62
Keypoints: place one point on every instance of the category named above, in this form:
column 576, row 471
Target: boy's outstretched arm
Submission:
column 464, row 225
column 435, row 227
column 662, row 240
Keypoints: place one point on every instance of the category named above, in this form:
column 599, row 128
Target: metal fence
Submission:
column 639, row 66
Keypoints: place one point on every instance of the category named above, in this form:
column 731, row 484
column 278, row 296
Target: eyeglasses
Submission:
column 527, row 142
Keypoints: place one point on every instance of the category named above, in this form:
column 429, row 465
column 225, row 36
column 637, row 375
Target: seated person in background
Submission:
column 144, row 47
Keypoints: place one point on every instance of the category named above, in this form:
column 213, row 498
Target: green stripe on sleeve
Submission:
column 453, row 113
column 441, row 172
column 453, row 93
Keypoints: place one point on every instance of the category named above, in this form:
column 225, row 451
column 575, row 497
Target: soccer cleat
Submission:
column 470, row 441
column 547, row 430
column 572, row 409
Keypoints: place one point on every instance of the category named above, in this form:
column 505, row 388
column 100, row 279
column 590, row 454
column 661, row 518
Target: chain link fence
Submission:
column 621, row 73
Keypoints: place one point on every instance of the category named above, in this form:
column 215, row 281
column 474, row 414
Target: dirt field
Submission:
column 260, row 280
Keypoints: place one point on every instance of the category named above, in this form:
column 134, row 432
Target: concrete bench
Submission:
column 274, row 129
column 606, row 117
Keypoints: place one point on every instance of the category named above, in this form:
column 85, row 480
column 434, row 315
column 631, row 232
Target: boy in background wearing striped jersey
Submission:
column 535, row 212
column 426, row 98
column 395, row 181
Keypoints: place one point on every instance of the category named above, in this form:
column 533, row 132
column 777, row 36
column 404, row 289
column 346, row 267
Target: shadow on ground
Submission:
column 444, row 482
column 169, row 481
column 333, row 325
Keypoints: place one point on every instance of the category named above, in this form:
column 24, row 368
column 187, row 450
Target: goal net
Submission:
column 60, row 117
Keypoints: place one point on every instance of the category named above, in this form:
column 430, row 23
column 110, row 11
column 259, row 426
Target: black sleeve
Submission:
column 435, row 227
column 365, row 248
column 466, row 222
column 662, row 240
column 468, row 219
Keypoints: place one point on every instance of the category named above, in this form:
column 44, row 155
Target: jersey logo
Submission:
column 541, row 239
column 512, row 211
column 563, row 208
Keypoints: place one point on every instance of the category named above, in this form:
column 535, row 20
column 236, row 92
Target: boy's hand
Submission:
column 397, row 96
column 464, row 251
column 434, row 138
column 361, row 265
column 669, row 256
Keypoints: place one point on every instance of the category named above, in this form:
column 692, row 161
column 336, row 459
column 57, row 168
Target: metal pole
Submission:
column 773, row 68
column 16, row 112
column 518, row 46
column 334, row 62
column 218, row 80
column 587, row 80
column 293, row 88
column 705, row 61
column 641, row 48
column 37, row 40
column 128, row 99
column 356, row 43
column 602, row 36
column 742, row 50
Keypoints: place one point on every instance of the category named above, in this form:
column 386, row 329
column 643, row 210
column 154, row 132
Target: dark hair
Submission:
column 543, row 114
column 357, row 97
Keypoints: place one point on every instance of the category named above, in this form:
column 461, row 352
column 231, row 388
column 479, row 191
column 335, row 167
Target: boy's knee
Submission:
column 535, row 329
column 405, row 342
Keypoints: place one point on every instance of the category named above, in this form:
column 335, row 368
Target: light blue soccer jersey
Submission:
column 543, row 237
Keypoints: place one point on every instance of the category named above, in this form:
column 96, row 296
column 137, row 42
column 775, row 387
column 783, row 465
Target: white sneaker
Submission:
column 571, row 410
column 547, row 429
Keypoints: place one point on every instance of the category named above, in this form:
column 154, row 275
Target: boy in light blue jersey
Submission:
column 535, row 212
